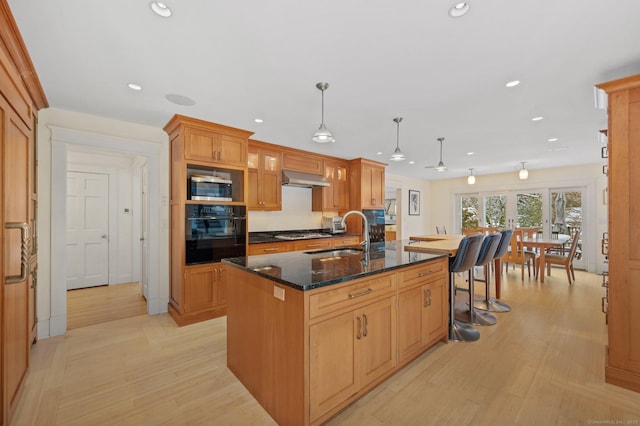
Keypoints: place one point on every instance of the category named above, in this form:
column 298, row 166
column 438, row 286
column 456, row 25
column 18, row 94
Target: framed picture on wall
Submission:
column 414, row 203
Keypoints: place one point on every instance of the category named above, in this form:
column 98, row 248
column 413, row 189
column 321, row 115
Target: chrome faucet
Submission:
column 365, row 227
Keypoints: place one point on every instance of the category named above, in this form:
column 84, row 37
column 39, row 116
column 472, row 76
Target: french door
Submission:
column 551, row 210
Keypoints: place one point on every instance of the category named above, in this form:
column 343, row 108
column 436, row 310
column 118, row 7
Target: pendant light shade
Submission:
column 323, row 135
column 524, row 173
column 471, row 179
column 397, row 154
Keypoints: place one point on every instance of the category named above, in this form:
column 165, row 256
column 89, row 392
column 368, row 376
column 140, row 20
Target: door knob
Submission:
column 103, row 236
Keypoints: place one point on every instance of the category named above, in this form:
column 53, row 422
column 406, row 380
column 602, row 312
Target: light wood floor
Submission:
column 95, row 305
column 542, row 364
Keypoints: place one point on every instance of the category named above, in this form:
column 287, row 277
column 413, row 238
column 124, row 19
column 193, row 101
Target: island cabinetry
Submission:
column 367, row 184
column 333, row 198
column 200, row 147
column 422, row 308
column 265, row 177
column 300, row 161
column 315, row 244
column 622, row 365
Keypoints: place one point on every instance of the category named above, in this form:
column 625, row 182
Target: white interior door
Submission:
column 144, row 273
column 87, row 229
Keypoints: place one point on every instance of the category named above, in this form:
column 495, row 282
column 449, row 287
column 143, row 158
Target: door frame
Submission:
column 62, row 141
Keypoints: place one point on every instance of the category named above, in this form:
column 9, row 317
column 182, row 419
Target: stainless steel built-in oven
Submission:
column 209, row 188
column 214, row 232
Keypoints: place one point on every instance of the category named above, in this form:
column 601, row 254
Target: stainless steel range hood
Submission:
column 305, row 180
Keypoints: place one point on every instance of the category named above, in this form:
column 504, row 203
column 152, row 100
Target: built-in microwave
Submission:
column 214, row 232
column 209, row 188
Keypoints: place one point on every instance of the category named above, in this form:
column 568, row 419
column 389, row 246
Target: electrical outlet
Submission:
column 278, row 292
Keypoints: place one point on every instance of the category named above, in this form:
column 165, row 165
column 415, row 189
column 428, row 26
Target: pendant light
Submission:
column 441, row 167
column 323, row 135
column 471, row 179
column 524, row 173
column 397, row 154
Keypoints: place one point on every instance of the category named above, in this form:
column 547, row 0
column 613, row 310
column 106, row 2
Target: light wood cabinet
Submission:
column 205, row 287
column 197, row 293
column 422, row 308
column 335, row 197
column 315, row 244
column 270, row 248
column 301, row 161
column 367, row 184
column 366, row 338
column 265, row 177
column 623, row 355
column 21, row 96
column 212, row 147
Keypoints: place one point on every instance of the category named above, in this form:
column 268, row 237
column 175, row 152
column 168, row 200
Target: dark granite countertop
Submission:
column 306, row 270
column 270, row 236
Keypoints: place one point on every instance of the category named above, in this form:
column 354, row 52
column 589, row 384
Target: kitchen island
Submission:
column 309, row 333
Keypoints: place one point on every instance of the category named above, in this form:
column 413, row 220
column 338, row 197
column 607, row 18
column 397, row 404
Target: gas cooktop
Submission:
column 302, row 236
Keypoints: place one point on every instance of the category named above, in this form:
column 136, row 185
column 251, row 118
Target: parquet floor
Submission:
column 541, row 364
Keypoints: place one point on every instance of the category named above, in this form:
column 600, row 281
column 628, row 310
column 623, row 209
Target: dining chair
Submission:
column 515, row 254
column 440, row 229
column 566, row 261
column 530, row 253
column 471, row 231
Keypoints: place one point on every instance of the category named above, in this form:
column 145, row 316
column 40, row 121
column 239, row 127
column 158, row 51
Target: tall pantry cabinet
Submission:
column 198, row 292
column 20, row 98
column 623, row 353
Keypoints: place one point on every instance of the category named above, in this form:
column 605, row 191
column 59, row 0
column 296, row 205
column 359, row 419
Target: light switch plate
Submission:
column 278, row 292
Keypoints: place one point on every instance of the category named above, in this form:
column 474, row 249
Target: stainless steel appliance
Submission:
column 376, row 220
column 213, row 232
column 209, row 188
column 332, row 224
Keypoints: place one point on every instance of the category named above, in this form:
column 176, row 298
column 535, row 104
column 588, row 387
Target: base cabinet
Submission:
column 204, row 294
column 366, row 342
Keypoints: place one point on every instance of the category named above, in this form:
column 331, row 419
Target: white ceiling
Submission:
column 446, row 77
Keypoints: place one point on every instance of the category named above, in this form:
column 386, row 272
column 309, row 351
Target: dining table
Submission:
column 446, row 243
column 544, row 244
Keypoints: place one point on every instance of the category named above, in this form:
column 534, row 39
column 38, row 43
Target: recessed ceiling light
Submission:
column 538, row 118
column 160, row 9
column 258, row 120
column 412, row 162
column 379, row 153
column 513, row 83
column 552, row 139
column 470, row 153
column 180, row 100
column 459, row 9
column 134, row 86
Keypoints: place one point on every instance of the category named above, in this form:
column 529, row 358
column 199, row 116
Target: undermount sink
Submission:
column 347, row 251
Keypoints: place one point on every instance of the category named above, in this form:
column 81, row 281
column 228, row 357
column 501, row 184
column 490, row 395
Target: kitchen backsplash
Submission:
column 296, row 213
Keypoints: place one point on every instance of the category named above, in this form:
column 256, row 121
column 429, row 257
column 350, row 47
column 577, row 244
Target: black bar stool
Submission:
column 464, row 260
column 487, row 252
column 489, row 303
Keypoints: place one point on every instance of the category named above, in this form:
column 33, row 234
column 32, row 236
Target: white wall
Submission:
column 442, row 199
column 407, row 225
column 77, row 129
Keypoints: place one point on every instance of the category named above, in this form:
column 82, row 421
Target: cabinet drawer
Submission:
column 346, row 241
column 419, row 273
column 313, row 244
column 347, row 296
column 269, row 248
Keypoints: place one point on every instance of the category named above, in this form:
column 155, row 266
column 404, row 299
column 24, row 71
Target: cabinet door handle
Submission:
column 429, row 295
column 604, row 152
column 271, row 249
column 359, row 335
column 426, row 298
column 362, row 293
column 24, row 252
column 605, row 305
column 364, row 320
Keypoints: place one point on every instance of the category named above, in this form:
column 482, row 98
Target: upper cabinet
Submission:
column 335, row 197
column 301, row 161
column 209, row 143
column 367, row 184
column 265, row 177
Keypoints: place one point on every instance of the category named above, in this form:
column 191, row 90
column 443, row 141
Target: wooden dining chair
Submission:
column 530, row 253
column 515, row 254
column 566, row 261
column 471, row 231
column 440, row 229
